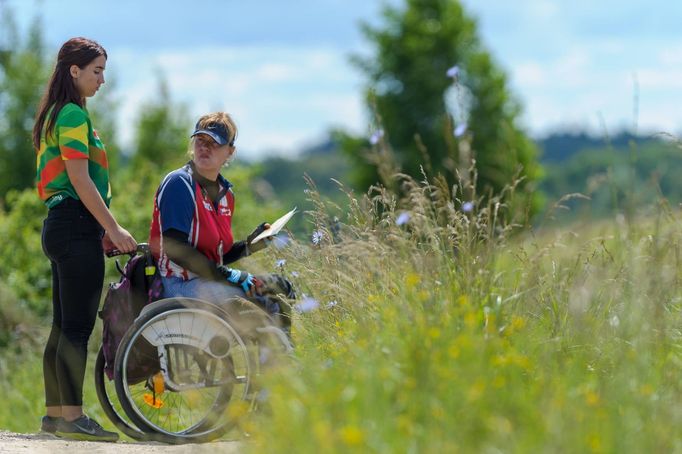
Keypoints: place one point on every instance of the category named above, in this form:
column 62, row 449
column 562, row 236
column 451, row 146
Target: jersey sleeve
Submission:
column 72, row 133
column 175, row 201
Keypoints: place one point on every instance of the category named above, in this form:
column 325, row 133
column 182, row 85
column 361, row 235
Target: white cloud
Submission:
column 280, row 97
column 657, row 79
column 277, row 72
column 671, row 54
column 542, row 10
column 530, row 73
column 569, row 63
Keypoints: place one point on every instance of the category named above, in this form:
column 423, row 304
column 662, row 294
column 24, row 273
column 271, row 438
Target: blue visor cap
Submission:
column 216, row 131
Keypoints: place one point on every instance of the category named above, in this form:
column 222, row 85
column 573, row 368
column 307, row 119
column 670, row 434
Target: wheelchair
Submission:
column 187, row 370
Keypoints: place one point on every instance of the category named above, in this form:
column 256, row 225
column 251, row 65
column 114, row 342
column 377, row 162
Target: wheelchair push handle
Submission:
column 142, row 248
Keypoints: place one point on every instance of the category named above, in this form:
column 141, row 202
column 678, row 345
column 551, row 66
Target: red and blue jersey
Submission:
column 181, row 204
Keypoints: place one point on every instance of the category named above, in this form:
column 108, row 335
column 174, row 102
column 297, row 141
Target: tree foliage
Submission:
column 419, row 107
column 162, row 130
column 23, row 73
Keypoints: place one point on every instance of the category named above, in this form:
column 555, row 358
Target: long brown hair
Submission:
column 61, row 90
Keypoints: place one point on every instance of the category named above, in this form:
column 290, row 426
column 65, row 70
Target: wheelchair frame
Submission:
column 237, row 340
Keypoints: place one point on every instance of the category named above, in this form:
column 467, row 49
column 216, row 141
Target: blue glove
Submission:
column 242, row 278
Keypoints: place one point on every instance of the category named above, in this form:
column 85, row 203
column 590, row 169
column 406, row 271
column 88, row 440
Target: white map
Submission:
column 275, row 227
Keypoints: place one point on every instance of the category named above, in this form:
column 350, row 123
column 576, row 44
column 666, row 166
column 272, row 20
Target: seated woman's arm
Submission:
column 237, row 251
column 177, row 249
column 242, row 249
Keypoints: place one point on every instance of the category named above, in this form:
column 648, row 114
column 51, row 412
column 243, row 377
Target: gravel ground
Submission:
column 47, row 444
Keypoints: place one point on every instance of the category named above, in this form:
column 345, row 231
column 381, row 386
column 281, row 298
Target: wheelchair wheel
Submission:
column 106, row 393
column 201, row 379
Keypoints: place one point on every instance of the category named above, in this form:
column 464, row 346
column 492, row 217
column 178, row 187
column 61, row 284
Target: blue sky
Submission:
column 281, row 67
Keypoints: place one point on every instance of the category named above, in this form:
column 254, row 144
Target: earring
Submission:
column 228, row 160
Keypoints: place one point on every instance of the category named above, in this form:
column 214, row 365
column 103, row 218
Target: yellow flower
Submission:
column 500, row 424
column 463, row 300
column 470, row 319
column 522, row 361
column 437, row 411
column 592, row 398
column 404, row 423
column 411, row 280
column 453, row 351
column 322, row 431
column 238, row 410
column 646, row 390
column 500, row 360
column 476, row 390
column 595, row 443
column 499, row 382
column 518, row 323
column 352, row 435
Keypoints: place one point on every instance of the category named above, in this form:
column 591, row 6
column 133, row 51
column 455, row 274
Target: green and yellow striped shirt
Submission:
column 73, row 138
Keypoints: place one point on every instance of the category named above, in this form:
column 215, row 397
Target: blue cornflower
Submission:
column 317, row 236
column 403, row 218
column 453, row 72
column 263, row 355
column 280, row 240
column 467, row 207
column 460, row 130
column 263, row 395
column 376, row 136
column 307, row 304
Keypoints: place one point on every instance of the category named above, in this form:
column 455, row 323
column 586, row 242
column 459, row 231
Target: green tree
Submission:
column 162, row 130
column 419, row 97
column 23, row 74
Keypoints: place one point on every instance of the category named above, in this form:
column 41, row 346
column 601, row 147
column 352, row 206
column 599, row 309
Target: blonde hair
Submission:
column 212, row 118
column 219, row 117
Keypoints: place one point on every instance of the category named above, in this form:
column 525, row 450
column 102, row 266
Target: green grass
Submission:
column 449, row 335
column 22, row 390
column 452, row 333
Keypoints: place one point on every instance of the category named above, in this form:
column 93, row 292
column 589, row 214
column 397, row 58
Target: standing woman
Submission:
column 73, row 181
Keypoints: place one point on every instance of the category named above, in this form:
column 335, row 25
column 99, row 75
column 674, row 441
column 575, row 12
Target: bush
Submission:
column 24, row 270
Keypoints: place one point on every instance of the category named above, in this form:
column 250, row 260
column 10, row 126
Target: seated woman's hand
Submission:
column 243, row 279
column 255, row 247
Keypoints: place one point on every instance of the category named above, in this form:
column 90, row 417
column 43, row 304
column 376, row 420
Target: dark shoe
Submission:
column 84, row 429
column 48, row 424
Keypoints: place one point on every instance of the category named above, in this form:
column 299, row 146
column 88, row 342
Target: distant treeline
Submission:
column 562, row 146
column 616, row 171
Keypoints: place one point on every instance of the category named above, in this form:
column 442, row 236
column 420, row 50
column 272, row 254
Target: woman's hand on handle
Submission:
column 120, row 239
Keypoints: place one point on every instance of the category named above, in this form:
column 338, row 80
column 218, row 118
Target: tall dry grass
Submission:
column 432, row 325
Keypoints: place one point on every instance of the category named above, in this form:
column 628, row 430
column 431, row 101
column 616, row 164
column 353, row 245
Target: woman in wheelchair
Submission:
column 191, row 231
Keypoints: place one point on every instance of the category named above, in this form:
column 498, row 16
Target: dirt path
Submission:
column 47, row 444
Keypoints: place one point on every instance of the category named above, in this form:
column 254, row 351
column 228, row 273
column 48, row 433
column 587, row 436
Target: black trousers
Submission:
column 72, row 240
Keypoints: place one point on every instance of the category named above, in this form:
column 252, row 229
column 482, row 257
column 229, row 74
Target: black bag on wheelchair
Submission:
column 140, row 284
